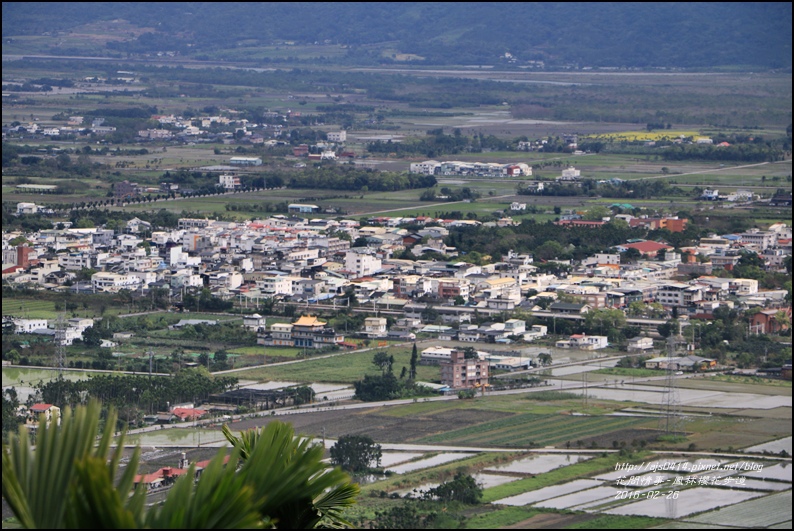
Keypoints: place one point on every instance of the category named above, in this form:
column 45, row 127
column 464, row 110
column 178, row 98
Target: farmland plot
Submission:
column 761, row 512
column 781, row 472
column 485, row 480
column 531, row 429
column 689, row 501
column 393, row 458
column 492, row 480
column 760, row 484
column 439, row 459
column 548, row 492
column 691, row 397
column 537, row 464
column 783, row 444
column 569, row 501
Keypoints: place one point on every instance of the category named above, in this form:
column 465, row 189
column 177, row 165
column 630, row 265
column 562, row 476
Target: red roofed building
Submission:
column 674, row 224
column 765, row 321
column 647, row 248
column 204, row 464
column 165, row 476
column 185, row 413
column 151, row 481
column 38, row 409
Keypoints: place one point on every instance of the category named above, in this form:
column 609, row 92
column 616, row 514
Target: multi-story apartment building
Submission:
column 760, row 238
column 375, row 326
column 678, row 294
column 449, row 288
column 459, row 372
column 428, row 167
column 337, row 136
column 229, row 182
column 275, row 284
column 362, row 265
column 113, row 282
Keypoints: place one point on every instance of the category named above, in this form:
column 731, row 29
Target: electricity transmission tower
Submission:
column 670, row 420
column 60, row 348
column 60, row 356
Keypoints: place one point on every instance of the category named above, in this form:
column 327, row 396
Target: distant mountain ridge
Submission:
column 611, row 34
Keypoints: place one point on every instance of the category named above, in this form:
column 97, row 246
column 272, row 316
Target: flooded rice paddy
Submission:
column 689, row 501
column 189, row 437
column 538, row 464
column 393, row 458
column 689, row 397
column 773, row 446
column 598, row 494
column 439, row 459
column 547, row 493
column 780, row 472
column 770, row 512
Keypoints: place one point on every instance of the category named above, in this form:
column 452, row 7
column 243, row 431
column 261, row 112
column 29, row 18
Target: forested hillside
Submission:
column 666, row 34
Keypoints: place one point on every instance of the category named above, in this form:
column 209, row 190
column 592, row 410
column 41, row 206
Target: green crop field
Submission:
column 620, row 522
column 500, row 518
column 532, row 429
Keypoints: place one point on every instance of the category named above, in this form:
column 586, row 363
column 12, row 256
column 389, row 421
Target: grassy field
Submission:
column 346, row 368
column 609, row 521
column 30, row 309
column 500, row 518
column 766, row 382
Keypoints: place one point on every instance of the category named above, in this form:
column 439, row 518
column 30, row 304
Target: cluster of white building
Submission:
column 313, row 261
column 480, row 169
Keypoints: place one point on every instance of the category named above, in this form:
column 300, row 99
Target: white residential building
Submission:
column 678, row 294
column 536, row 332
column 275, row 284
column 584, row 342
column 760, row 238
column 570, row 174
column 362, row 265
column 375, row 326
column 74, row 261
column 428, row 167
column 26, row 326
column 337, row 136
column 229, row 182
column 113, row 282
column 27, row 208
column 254, row 322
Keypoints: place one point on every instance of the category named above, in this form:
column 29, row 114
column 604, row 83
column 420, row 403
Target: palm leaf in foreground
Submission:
column 295, row 488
